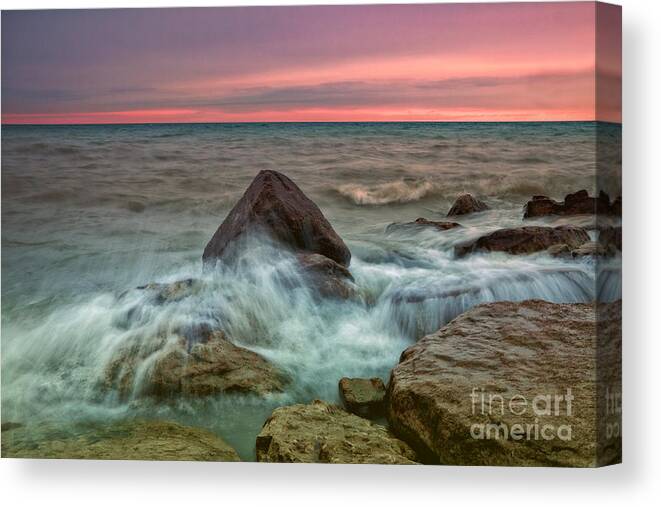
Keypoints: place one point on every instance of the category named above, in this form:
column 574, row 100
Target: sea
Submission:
column 91, row 212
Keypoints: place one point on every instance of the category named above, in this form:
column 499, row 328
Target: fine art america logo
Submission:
column 537, row 412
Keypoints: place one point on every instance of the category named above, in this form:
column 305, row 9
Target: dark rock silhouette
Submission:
column 578, row 203
column 275, row 206
column 525, row 240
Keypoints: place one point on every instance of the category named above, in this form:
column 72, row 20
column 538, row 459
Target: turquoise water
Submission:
column 90, row 212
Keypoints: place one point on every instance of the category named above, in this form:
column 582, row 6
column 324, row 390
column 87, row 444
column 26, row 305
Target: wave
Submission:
column 400, row 191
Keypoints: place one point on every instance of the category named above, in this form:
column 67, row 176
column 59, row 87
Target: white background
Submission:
column 637, row 481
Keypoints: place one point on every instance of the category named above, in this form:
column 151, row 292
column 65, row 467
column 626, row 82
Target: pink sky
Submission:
column 444, row 62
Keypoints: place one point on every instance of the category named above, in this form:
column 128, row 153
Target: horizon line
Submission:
column 4, row 124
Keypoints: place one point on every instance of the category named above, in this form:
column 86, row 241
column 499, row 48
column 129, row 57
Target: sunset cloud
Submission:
column 401, row 62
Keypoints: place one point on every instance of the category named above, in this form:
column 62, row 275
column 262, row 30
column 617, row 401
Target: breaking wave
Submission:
column 400, row 191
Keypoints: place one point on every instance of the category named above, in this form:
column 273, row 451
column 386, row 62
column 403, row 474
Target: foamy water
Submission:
column 91, row 213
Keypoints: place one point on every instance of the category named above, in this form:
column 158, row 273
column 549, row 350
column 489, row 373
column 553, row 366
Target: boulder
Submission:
column 363, row 396
column 323, row 433
column 198, row 362
column 578, row 203
column 465, row 204
column 275, row 206
column 330, row 279
column 443, row 226
column 125, row 440
column 506, row 384
column 525, row 240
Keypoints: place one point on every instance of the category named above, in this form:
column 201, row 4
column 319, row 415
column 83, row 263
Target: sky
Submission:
column 443, row 62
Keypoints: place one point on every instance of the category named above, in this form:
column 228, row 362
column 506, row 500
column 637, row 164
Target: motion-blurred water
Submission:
column 91, row 212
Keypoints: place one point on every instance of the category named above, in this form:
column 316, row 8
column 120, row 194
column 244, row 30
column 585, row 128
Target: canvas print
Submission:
column 377, row 234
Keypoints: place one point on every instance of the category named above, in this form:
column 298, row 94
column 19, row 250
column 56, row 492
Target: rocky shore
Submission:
column 504, row 383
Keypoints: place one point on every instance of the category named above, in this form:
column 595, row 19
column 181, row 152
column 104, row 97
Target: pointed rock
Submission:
column 274, row 205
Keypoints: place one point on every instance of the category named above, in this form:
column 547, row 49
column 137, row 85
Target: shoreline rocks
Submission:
column 466, row 204
column 200, row 362
column 525, row 240
column 451, row 394
column 578, row 203
column 123, row 440
column 362, row 396
column 323, row 433
column 274, row 205
column 331, row 279
column 423, row 222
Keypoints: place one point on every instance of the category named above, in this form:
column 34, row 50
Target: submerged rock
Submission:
column 9, row 425
column 125, row 440
column 578, row 203
column 327, row 276
column 423, row 222
column 324, row 433
column 525, row 240
column 198, row 362
column 363, row 396
column 275, row 206
column 171, row 292
column 465, row 204
column 481, row 389
column 591, row 248
column 559, row 250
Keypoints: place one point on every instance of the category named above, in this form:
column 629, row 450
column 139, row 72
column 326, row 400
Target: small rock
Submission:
column 362, row 396
column 465, row 204
column 590, row 248
column 323, row 433
column 328, row 277
column 559, row 250
column 171, row 292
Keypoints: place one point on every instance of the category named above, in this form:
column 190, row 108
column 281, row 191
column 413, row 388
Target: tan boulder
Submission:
column 509, row 384
column 202, row 363
column 323, row 433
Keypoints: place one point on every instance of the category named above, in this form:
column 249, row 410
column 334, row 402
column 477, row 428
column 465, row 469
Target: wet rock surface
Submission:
column 124, row 440
column 531, row 352
column 578, row 203
column 198, row 362
column 327, row 276
column 323, row 433
column 423, row 222
column 466, row 204
column 526, row 240
column 274, row 205
column 363, row 396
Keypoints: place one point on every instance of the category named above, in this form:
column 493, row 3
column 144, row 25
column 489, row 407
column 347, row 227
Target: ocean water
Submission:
column 89, row 213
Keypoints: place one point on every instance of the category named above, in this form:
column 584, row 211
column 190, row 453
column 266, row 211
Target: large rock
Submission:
column 324, row 433
column 465, row 204
column 199, row 362
column 578, row 203
column 136, row 440
column 525, row 240
column 481, row 390
column 363, row 396
column 275, row 206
